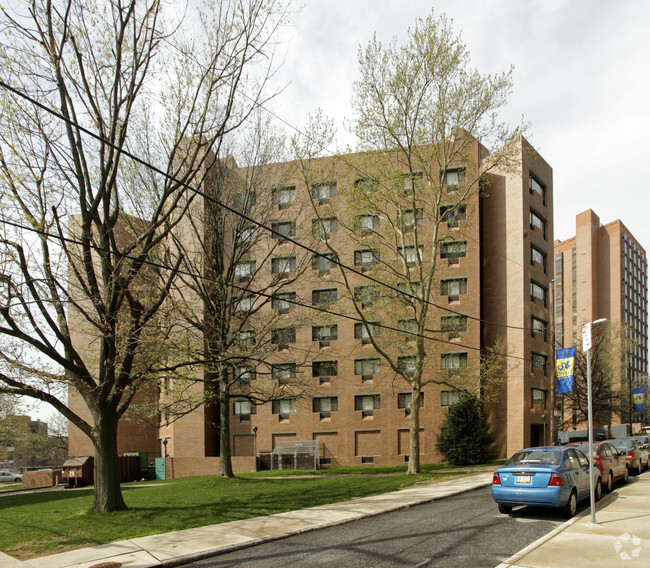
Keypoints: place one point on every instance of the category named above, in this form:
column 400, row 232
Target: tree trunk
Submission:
column 108, row 494
column 414, row 433
column 225, row 463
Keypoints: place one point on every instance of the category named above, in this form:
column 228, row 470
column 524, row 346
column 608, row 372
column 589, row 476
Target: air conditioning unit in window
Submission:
column 366, row 377
column 324, row 342
column 323, row 200
column 245, row 278
column 453, row 260
column 283, row 346
column 453, row 298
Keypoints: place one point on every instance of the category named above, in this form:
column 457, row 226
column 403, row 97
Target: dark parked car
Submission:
column 634, row 455
column 611, row 463
column 549, row 476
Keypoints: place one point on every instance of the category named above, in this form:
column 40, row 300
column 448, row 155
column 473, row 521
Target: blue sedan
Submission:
column 550, row 476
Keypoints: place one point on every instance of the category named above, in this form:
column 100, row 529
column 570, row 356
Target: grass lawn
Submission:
column 35, row 524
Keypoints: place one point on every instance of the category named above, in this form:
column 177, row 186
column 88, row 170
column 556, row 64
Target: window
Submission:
column 244, row 373
column 367, row 222
column 447, row 398
column 537, row 257
column 453, row 288
column 366, row 184
column 324, row 369
column 366, row 295
column 323, row 192
column 324, row 333
column 245, row 305
column 536, row 187
column 324, row 226
column 283, row 372
column 325, row 405
column 366, row 257
column 539, row 397
column 453, row 361
column 284, row 196
column 284, row 407
column 409, row 254
column 246, row 236
column 409, row 327
column 537, row 292
column 283, row 265
column 451, row 214
column 408, row 289
column 283, row 229
column 405, row 399
column 243, row 408
column 538, row 327
column 246, row 338
column 324, row 297
column 453, row 325
column 537, row 222
column 367, row 403
column 453, row 178
column 367, row 367
column 453, row 250
column 406, row 364
column 365, row 331
column 283, row 336
column 411, row 217
column 323, row 262
column 411, row 182
column 244, row 270
column 283, row 301
column 538, row 362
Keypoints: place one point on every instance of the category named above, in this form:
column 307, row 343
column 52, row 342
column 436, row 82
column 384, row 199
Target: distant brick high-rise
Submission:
column 602, row 272
column 492, row 287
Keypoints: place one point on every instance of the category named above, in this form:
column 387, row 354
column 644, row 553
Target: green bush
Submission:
column 465, row 437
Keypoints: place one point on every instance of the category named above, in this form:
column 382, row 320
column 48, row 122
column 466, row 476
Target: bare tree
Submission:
column 82, row 260
column 235, row 290
column 425, row 118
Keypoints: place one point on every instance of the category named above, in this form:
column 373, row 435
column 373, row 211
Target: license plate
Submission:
column 523, row 479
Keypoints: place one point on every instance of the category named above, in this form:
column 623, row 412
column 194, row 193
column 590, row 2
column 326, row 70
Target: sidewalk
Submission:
column 621, row 536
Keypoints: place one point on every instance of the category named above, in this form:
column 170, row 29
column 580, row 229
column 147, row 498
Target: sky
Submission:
column 581, row 79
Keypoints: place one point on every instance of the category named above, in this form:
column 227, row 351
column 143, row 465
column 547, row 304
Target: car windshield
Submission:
column 623, row 444
column 536, row 456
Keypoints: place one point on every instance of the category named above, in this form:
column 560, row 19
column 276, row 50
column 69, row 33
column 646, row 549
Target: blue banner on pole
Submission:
column 564, row 363
column 638, row 398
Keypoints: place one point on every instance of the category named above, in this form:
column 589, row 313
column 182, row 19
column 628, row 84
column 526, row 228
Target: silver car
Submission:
column 10, row 477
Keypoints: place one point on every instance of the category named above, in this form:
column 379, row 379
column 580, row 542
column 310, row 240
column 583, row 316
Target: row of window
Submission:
column 323, row 192
column 366, row 367
column 367, row 223
column 367, row 404
column 283, row 301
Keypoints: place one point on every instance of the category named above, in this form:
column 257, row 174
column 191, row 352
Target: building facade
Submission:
column 602, row 272
column 473, row 237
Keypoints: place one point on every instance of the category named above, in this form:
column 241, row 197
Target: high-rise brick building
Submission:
column 490, row 291
column 602, row 272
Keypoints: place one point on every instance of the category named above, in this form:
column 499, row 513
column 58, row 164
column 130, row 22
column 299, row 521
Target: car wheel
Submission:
column 17, row 479
column 626, row 475
column 610, row 482
column 598, row 490
column 505, row 509
column 569, row 510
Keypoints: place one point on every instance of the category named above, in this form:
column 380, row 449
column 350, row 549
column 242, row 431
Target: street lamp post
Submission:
column 586, row 346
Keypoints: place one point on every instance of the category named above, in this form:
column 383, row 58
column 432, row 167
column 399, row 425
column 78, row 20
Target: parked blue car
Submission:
column 552, row 476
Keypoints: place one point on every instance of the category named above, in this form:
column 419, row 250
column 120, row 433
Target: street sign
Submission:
column 586, row 337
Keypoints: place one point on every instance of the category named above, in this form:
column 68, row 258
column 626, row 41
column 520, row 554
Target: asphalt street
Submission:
column 466, row 530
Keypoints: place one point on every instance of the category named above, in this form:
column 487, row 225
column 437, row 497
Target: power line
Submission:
column 246, row 217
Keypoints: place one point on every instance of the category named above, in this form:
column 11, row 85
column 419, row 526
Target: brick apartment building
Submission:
column 491, row 288
column 602, row 272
